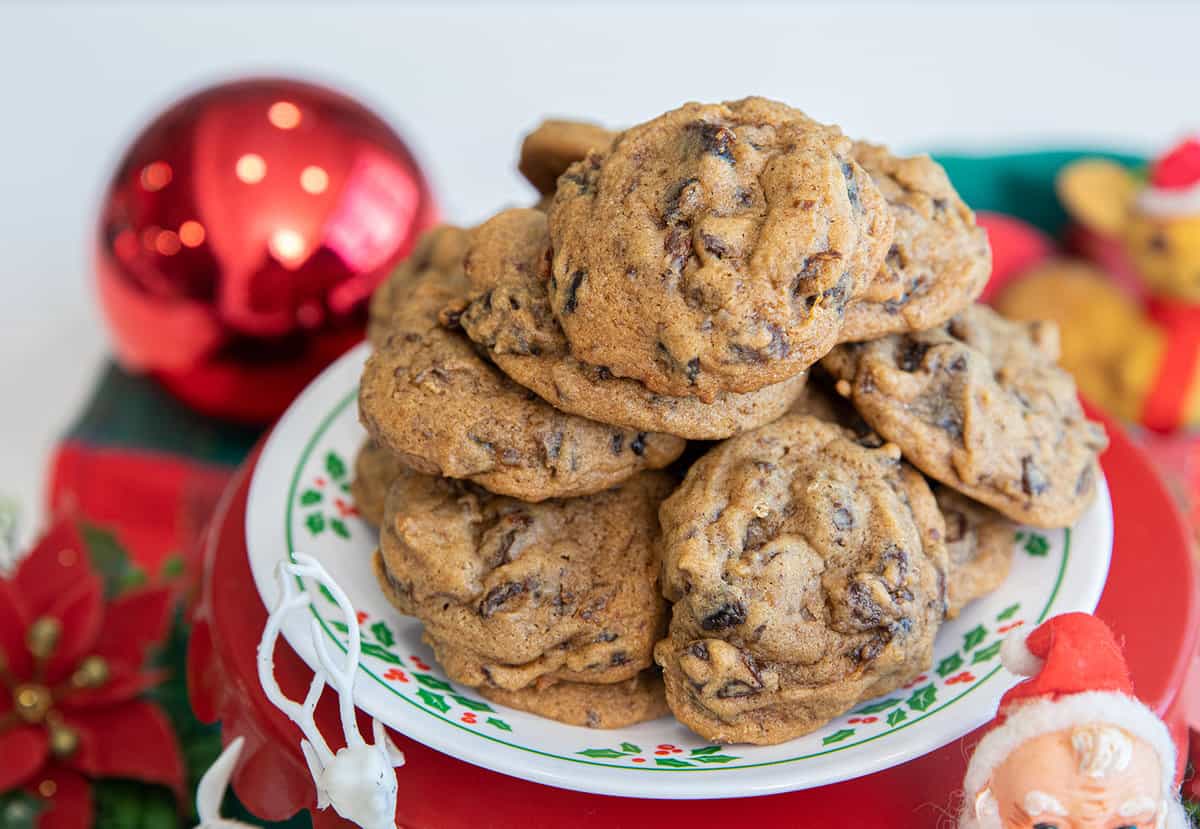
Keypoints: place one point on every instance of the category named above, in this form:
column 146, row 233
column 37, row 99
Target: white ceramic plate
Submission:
column 299, row 501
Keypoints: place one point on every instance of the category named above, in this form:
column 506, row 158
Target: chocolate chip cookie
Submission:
column 436, row 257
column 550, row 149
column 374, row 470
column 939, row 259
column 441, row 408
column 513, row 594
column 614, row 705
column 508, row 263
column 979, row 542
column 808, row 573
column 714, row 248
column 981, row 405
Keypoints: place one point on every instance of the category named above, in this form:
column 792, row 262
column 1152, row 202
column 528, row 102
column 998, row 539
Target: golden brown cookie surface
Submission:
column 375, row 468
column 615, row 705
column 554, row 146
column 979, row 542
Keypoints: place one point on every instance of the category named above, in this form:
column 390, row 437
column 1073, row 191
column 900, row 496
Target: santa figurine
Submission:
column 1072, row 748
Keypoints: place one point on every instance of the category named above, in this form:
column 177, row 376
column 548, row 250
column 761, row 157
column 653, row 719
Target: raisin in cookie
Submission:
column 714, row 248
column 513, row 593
column 808, row 572
column 981, row 405
column 436, row 257
column 979, row 542
column 508, row 264
column 374, row 470
column 614, row 705
column 441, row 408
column 939, row 259
column 554, row 146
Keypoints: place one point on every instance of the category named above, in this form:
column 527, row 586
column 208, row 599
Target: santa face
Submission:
column 1095, row 777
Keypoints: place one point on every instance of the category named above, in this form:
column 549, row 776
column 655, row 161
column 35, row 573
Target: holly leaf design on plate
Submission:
column 371, row 649
column 309, row 497
column 1008, row 612
column 324, row 591
column 315, row 523
column 897, row 716
column 1037, row 545
column 473, row 704
column 601, row 753
column 838, row 736
column 876, row 707
column 705, row 750
column 923, row 697
column 433, row 682
column 974, row 637
column 501, row 724
column 671, row 762
column 715, row 758
column 435, row 701
column 949, row 665
column 339, row 527
column 335, row 466
column 630, row 748
column 984, row 654
column 383, row 634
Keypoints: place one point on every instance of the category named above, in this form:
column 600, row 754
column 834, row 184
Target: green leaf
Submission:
column 974, row 636
column 110, row 560
column 897, row 716
column 342, row 626
column 984, row 654
column 19, row 810
column 315, row 523
column 672, row 762
column 473, row 704
column 1037, row 545
column 435, row 701
column 371, row 649
column 335, row 466
column 1008, row 612
column 923, row 697
column 324, row 591
column 433, row 682
column 129, row 803
column 715, row 758
column 501, row 724
column 601, row 753
column 309, row 497
column 339, row 527
column 383, row 634
column 876, row 707
column 172, row 567
column 838, row 736
column 705, row 750
column 630, row 748
column 949, row 665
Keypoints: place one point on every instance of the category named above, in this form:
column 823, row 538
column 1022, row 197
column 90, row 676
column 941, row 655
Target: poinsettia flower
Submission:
column 72, row 670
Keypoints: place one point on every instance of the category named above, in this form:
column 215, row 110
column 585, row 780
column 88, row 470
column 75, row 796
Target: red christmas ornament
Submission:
column 242, row 235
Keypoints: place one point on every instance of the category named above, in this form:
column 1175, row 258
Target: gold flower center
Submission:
column 32, row 702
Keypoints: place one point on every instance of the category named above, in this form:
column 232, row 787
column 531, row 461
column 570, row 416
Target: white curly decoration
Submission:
column 211, row 789
column 358, row 780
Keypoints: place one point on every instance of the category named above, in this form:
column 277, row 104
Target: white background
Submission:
column 462, row 83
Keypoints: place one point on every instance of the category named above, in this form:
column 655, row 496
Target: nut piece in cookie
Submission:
column 554, row 146
column 981, row 405
column 429, row 397
column 808, row 573
column 615, row 705
column 939, row 259
column 508, row 263
column 979, row 542
column 513, row 594
column 714, row 248
column 375, row 468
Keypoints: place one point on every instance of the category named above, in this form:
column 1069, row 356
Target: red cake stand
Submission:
column 1151, row 602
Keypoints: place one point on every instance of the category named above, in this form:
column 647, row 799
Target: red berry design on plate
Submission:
column 395, row 675
column 362, row 616
column 320, row 482
column 344, row 509
column 420, row 663
column 965, row 676
column 468, row 718
column 639, row 759
column 1010, row 626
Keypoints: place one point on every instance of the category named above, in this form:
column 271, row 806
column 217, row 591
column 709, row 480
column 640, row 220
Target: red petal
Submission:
column 70, row 805
column 24, row 750
column 59, row 560
column 134, row 622
column 13, row 622
column 120, row 688
column 80, row 609
column 132, row 740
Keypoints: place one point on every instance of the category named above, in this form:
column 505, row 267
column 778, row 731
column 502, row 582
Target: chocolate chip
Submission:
column 618, row 658
column 1084, row 483
column 672, row 212
column 512, row 303
column 956, row 526
column 481, row 442
column 699, row 650
column 727, row 615
column 678, row 246
column 1033, row 480
column 758, row 533
column 604, row 373
column 572, row 300
column 714, row 245
column 638, row 444
column 693, row 369
column 939, row 205
column 552, row 445
column 510, row 456
column 911, row 354
column 842, row 518
column 736, row 688
column 863, row 606
column 959, row 363
column 606, row 636
column 851, row 186
column 498, row 595
column 715, row 139
column 618, row 443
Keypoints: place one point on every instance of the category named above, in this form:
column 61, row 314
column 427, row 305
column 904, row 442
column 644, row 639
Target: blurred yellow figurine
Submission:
column 1134, row 352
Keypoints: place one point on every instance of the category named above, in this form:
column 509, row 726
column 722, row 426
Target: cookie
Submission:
column 442, row 409
column 979, row 544
column 939, row 259
column 510, row 316
column 437, row 256
column 614, row 705
column 374, row 470
column 513, row 594
column 981, row 405
column 714, row 248
column 808, row 573
column 550, row 149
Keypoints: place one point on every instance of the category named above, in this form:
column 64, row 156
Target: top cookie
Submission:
column 437, row 257
column 510, row 316
column 939, row 259
column 981, row 405
column 554, row 146
column 427, row 396
column 714, row 248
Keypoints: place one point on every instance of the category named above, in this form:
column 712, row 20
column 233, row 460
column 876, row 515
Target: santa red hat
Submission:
column 1077, row 676
column 1173, row 187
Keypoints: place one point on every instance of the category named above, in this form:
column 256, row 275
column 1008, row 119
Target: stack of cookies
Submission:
column 716, row 427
